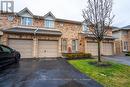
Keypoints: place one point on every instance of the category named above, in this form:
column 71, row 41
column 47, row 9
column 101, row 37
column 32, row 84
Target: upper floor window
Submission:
column 74, row 45
column 85, row 27
column 26, row 21
column 49, row 23
column 125, row 32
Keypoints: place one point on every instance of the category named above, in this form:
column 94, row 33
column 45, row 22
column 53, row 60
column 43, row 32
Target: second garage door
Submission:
column 107, row 49
column 23, row 46
column 47, row 49
column 91, row 48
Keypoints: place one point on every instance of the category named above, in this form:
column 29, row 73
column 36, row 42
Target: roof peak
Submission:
column 127, row 27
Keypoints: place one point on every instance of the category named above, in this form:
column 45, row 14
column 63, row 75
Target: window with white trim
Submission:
column 125, row 46
column 64, row 45
column 74, row 46
column 26, row 21
column 85, row 27
column 49, row 23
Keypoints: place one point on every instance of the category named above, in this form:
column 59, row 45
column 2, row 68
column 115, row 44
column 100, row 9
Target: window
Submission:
column 74, row 45
column 64, row 45
column 125, row 32
column 26, row 21
column 85, row 27
column 5, row 49
column 125, row 46
column 49, row 23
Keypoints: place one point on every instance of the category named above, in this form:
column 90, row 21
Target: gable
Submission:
column 49, row 16
column 25, row 13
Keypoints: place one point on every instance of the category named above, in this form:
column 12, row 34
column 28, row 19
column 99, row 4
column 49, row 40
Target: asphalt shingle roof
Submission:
column 32, row 31
column 127, row 27
column 105, row 37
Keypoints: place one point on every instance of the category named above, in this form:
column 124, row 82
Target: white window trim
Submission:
column 53, row 25
column 26, row 24
column 83, row 27
column 77, row 44
column 62, row 44
column 124, row 43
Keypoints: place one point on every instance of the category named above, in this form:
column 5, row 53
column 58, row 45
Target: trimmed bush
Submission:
column 77, row 55
column 127, row 53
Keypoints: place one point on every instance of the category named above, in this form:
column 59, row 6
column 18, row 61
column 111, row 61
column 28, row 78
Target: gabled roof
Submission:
column 40, row 31
column 25, row 9
column 49, row 14
column 126, row 27
column 92, row 36
column 114, row 27
column 43, row 17
column 68, row 21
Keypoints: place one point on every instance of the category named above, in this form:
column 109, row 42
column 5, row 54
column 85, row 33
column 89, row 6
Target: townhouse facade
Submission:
column 47, row 36
column 122, row 41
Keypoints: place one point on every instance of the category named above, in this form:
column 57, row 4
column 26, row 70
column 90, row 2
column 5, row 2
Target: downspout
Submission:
column 35, row 44
column 35, row 31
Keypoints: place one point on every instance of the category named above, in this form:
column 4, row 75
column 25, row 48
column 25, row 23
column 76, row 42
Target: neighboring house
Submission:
column 122, row 35
column 48, row 36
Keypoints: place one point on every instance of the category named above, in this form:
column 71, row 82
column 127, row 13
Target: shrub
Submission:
column 127, row 53
column 77, row 55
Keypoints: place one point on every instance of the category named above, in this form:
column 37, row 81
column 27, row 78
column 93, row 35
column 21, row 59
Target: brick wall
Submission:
column 69, row 30
column 129, row 40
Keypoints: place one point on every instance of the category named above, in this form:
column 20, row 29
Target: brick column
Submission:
column 85, row 42
column 35, row 47
column 4, row 39
column 114, row 48
column 128, row 40
column 59, row 48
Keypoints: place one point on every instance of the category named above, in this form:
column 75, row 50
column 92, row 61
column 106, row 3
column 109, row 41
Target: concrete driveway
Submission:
column 120, row 59
column 44, row 73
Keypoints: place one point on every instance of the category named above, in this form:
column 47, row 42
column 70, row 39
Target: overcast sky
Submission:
column 72, row 9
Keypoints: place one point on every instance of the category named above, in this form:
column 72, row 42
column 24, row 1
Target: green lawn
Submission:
column 117, row 75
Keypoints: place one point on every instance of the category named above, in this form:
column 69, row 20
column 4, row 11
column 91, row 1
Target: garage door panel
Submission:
column 48, row 49
column 91, row 48
column 23, row 46
column 107, row 49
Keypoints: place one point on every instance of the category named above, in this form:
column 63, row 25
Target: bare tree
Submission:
column 98, row 15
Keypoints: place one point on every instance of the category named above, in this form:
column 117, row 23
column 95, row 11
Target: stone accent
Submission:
column 35, row 47
column 4, row 39
column 82, row 42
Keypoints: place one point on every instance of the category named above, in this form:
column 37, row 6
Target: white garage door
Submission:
column 107, row 49
column 23, row 46
column 91, row 48
column 48, row 49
